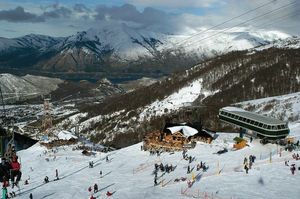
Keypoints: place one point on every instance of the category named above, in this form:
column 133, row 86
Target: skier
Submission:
column 56, row 174
column 46, row 179
column 293, row 168
column 106, row 158
column 30, row 196
column 188, row 169
column 90, row 189
column 155, row 181
column 92, row 197
column 251, row 139
column 109, row 193
column 15, row 165
column 5, row 184
column 95, row 188
column 245, row 160
column 246, row 168
column 100, row 174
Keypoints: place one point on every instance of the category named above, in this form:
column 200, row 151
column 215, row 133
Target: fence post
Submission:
column 270, row 157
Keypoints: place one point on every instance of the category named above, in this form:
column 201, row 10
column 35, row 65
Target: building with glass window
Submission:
column 263, row 126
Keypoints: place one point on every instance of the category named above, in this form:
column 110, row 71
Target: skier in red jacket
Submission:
column 15, row 171
column 92, row 197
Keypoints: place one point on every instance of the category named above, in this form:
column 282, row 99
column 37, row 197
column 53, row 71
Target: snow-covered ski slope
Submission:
column 129, row 173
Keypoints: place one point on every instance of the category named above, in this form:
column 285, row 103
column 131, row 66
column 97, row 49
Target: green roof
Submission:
column 253, row 116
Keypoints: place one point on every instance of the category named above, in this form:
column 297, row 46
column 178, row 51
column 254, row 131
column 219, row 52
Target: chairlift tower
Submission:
column 47, row 117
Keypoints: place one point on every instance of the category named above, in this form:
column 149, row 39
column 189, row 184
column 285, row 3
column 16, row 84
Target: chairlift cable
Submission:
column 229, row 20
column 252, row 19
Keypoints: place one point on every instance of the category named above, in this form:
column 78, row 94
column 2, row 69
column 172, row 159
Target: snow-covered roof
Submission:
column 65, row 135
column 186, row 130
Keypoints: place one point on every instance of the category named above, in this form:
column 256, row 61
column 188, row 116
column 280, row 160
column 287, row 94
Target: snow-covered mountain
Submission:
column 40, row 42
column 99, row 48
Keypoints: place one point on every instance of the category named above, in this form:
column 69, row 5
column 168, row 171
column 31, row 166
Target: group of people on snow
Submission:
column 202, row 165
column 163, row 168
column 248, row 163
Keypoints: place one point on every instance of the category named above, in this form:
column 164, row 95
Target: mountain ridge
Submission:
column 120, row 47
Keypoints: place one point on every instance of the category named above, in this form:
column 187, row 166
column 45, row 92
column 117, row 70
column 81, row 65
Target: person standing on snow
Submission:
column 5, row 184
column 293, row 168
column 246, row 168
column 56, row 174
column 90, row 189
column 15, row 165
column 95, row 188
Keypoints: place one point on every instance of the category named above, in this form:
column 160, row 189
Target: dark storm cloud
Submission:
column 129, row 13
column 19, row 15
column 59, row 12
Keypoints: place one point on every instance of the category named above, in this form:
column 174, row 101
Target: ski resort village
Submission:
column 135, row 99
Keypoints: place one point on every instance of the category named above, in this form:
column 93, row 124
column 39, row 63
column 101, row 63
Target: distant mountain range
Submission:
column 122, row 49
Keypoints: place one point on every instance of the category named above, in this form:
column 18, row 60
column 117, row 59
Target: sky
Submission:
column 66, row 17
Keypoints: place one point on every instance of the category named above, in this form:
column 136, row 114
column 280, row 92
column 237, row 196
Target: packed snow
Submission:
column 128, row 173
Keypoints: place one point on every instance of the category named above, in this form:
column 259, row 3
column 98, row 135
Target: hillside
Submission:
column 237, row 76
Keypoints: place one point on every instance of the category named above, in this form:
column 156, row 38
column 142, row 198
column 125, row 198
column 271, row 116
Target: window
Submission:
column 248, row 121
column 274, row 127
column 279, row 127
column 255, row 123
column 265, row 126
column 269, row 127
column 260, row 124
column 222, row 113
column 244, row 119
column 251, row 122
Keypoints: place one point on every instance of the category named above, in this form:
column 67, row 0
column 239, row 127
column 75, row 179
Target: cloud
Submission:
column 81, row 8
column 175, row 3
column 58, row 12
column 129, row 13
column 19, row 15
column 163, row 15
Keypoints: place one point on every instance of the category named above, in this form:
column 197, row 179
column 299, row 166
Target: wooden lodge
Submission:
column 175, row 137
